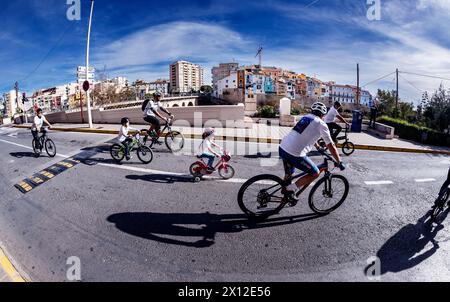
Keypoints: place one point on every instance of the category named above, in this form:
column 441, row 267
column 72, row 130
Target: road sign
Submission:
column 86, row 85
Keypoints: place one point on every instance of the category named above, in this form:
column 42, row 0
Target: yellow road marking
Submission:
column 47, row 174
column 67, row 165
column 36, row 180
column 25, row 186
column 9, row 269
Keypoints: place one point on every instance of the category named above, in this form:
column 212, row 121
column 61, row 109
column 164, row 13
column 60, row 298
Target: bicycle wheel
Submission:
column 262, row 196
column 227, row 172
column 329, row 194
column 348, row 148
column 117, row 152
column 175, row 141
column 50, row 148
column 440, row 204
column 145, row 154
column 196, row 169
column 37, row 147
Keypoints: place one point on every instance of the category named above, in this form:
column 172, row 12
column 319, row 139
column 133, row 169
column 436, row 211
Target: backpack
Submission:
column 144, row 104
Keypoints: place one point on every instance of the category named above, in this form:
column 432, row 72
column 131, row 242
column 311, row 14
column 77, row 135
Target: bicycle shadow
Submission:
column 23, row 154
column 407, row 248
column 161, row 178
column 162, row 227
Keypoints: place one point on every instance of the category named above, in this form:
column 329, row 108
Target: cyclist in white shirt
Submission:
column 151, row 113
column 38, row 123
column 330, row 119
column 300, row 141
column 125, row 137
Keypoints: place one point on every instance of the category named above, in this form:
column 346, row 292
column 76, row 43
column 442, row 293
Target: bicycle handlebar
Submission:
column 341, row 166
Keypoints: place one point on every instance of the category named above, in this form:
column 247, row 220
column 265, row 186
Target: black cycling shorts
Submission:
column 154, row 121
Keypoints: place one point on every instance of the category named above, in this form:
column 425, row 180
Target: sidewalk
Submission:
column 262, row 133
column 7, row 271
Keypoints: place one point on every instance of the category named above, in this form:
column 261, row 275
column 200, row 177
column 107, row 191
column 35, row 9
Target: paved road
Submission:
column 152, row 223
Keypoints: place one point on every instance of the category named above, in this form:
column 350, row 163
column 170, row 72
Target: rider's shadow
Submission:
column 203, row 227
column 161, row 178
column 410, row 246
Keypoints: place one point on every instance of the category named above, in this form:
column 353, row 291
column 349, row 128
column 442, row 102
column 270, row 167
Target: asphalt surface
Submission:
column 136, row 222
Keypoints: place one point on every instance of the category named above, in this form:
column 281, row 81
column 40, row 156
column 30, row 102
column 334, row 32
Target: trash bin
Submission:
column 357, row 121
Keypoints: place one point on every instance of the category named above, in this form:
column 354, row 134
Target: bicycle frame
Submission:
column 324, row 167
column 345, row 137
column 221, row 163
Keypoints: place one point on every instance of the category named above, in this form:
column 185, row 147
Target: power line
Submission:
column 49, row 52
column 424, row 75
column 379, row 79
column 414, row 86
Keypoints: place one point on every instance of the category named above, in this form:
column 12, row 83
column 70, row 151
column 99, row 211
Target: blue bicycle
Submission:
column 266, row 195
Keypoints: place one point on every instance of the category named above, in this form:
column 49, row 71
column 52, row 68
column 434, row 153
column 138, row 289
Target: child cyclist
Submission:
column 125, row 137
column 207, row 148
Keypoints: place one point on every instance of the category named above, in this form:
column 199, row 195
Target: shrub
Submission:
column 416, row 133
column 267, row 112
column 295, row 111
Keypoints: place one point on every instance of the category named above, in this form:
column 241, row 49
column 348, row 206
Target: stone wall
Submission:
column 190, row 115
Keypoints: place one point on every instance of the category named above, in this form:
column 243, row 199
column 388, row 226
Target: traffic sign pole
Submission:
column 87, row 66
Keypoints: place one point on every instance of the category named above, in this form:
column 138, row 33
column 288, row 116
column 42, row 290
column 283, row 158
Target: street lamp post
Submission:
column 87, row 66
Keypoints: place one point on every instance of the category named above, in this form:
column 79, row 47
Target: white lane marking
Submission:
column 29, row 148
column 379, row 183
column 135, row 169
column 425, row 180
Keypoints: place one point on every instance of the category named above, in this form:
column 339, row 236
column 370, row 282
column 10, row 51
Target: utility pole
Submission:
column 16, row 87
column 396, row 95
column 87, row 66
column 358, row 92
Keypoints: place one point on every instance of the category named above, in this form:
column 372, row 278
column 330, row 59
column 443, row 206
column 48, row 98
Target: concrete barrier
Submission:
column 383, row 131
column 194, row 116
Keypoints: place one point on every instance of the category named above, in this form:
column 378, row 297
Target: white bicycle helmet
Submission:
column 319, row 108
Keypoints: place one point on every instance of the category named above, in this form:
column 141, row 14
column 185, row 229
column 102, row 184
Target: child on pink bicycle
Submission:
column 206, row 149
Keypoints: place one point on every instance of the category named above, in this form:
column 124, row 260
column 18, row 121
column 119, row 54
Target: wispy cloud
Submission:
column 204, row 43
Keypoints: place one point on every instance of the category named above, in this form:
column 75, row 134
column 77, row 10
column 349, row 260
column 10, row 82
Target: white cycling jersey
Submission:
column 151, row 108
column 300, row 141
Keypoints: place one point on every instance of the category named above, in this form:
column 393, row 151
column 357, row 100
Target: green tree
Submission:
column 206, row 89
column 437, row 110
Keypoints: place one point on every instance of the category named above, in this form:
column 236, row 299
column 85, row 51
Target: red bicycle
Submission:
column 200, row 168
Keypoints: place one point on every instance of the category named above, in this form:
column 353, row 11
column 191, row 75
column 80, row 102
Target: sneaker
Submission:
column 129, row 158
column 210, row 170
column 292, row 198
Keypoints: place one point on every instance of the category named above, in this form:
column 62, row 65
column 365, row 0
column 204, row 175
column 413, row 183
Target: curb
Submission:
column 257, row 140
column 7, row 266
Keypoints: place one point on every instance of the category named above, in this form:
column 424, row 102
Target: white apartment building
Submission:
column 229, row 82
column 162, row 86
column 120, row 82
column 10, row 99
column 186, row 77
column 222, row 71
column 343, row 93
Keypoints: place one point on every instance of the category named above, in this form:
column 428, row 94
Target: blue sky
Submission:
column 138, row 39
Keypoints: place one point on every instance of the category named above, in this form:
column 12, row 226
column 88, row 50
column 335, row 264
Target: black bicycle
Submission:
column 266, row 195
column 443, row 200
column 43, row 142
column 348, row 148
column 174, row 139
